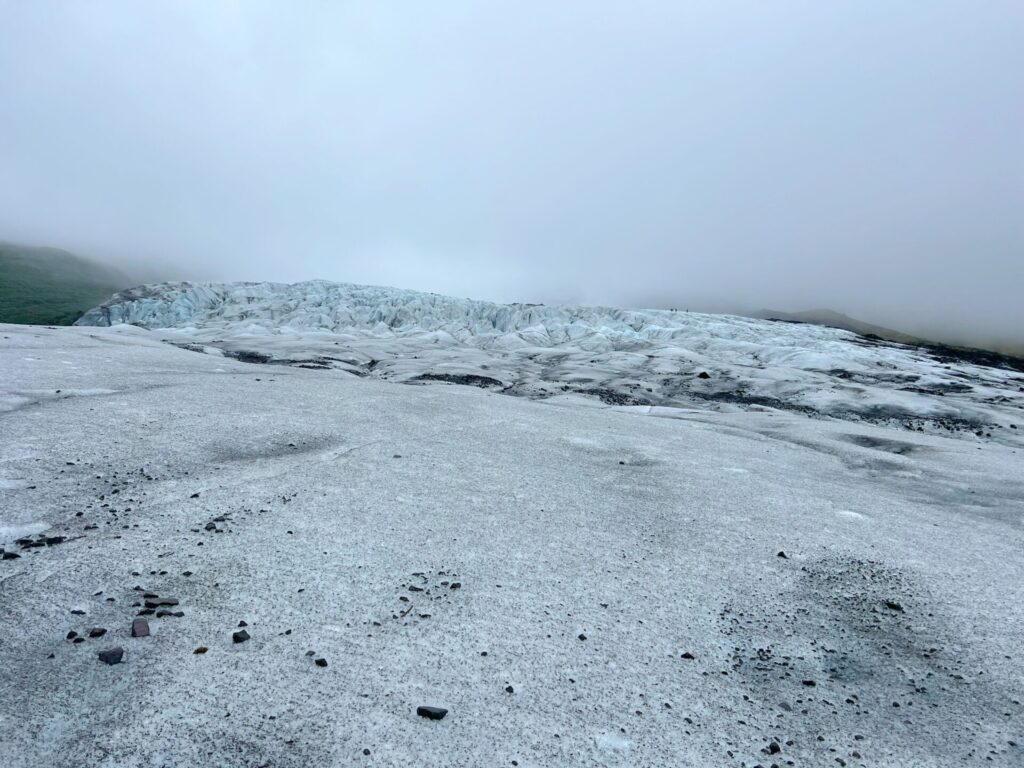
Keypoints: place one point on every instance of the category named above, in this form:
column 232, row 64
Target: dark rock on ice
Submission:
column 161, row 602
column 431, row 713
column 111, row 655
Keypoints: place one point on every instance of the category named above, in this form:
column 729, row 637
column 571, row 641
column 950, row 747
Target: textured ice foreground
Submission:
column 637, row 357
column 653, row 532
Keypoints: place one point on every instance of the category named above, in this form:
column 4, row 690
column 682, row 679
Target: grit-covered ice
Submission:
column 677, row 580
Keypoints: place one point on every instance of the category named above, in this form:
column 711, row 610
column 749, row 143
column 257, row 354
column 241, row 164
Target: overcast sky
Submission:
column 864, row 156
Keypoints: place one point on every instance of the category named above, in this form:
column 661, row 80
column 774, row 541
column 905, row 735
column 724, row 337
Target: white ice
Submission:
column 639, row 357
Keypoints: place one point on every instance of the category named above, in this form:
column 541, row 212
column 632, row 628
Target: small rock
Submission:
column 240, row 636
column 509, row 689
column 78, row 612
column 687, row 655
column 242, row 624
column 456, row 585
column 783, row 555
column 431, row 713
column 194, row 496
column 893, row 606
column 703, row 375
column 72, row 635
column 111, row 655
column 140, row 628
column 320, row 661
column 161, row 602
column 200, row 650
column 809, row 683
column 11, row 555
column 97, row 632
column 582, row 636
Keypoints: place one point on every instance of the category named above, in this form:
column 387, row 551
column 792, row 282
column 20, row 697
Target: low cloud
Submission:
column 865, row 157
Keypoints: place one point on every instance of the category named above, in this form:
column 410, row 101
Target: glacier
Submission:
column 685, row 540
column 641, row 358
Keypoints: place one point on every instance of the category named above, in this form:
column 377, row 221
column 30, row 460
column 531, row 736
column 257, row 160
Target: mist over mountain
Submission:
column 50, row 286
column 862, row 157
